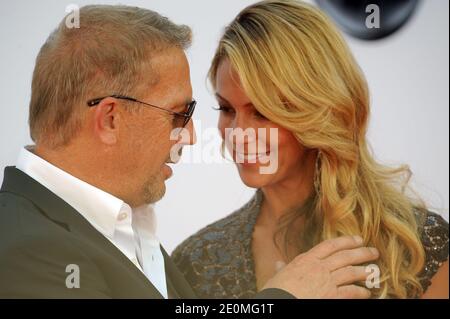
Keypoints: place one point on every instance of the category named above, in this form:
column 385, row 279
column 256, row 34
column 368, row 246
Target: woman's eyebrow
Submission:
column 222, row 98
column 249, row 104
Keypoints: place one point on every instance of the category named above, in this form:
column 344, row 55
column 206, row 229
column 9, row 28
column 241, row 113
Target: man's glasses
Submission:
column 180, row 119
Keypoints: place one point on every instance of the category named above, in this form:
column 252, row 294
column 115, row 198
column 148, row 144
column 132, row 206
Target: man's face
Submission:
column 146, row 142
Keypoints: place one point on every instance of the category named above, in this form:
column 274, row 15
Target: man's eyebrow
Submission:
column 181, row 105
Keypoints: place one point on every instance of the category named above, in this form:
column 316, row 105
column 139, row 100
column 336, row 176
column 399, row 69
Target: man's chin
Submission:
column 155, row 191
column 157, row 196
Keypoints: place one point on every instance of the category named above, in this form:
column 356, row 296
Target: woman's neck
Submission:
column 286, row 195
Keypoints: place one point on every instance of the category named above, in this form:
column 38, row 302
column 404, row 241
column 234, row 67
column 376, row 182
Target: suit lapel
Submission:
column 176, row 280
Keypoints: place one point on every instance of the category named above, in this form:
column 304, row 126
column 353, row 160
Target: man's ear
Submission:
column 106, row 120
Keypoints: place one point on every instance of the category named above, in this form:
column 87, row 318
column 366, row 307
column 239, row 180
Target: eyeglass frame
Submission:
column 186, row 115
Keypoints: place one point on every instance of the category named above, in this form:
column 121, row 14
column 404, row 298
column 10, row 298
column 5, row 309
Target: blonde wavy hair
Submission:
column 297, row 70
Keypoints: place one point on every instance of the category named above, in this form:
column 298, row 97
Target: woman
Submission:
column 283, row 65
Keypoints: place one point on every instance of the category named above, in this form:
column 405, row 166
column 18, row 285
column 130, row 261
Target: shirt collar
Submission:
column 98, row 207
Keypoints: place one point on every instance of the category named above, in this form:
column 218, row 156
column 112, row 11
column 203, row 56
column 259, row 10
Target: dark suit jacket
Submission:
column 40, row 235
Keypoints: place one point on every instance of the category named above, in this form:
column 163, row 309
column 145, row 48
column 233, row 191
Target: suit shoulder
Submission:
column 36, row 255
column 20, row 217
column 24, row 228
column 27, row 235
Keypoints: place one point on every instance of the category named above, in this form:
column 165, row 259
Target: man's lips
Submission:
column 167, row 168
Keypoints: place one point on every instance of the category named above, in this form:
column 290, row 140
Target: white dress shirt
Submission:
column 131, row 230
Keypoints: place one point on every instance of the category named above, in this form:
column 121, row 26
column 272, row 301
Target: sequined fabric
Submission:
column 435, row 242
column 217, row 261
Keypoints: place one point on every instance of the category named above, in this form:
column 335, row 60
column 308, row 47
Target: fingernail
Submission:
column 358, row 239
column 374, row 250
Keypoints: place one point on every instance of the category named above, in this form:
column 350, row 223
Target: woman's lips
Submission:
column 251, row 158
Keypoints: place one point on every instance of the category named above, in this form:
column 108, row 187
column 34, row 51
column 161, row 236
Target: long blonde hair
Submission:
column 297, row 70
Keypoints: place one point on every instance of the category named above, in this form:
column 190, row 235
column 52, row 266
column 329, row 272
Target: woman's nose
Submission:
column 240, row 132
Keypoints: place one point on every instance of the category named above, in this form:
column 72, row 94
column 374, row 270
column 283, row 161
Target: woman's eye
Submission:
column 260, row 116
column 224, row 109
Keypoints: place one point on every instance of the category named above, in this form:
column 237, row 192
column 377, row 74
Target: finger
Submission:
column 331, row 246
column 353, row 292
column 351, row 257
column 349, row 275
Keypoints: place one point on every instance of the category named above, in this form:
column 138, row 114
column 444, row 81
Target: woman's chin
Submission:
column 253, row 178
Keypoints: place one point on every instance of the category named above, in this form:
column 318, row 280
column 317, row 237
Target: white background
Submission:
column 408, row 74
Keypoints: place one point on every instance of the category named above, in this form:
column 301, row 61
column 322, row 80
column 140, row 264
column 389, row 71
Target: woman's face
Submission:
column 269, row 156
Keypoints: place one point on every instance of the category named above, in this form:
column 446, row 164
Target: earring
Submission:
column 318, row 173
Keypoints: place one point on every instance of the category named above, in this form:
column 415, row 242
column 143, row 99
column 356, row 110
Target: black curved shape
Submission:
column 351, row 15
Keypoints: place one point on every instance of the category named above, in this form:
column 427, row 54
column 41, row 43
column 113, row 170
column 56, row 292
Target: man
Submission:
column 75, row 213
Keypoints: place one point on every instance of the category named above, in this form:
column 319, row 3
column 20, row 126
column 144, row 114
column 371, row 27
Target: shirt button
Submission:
column 122, row 216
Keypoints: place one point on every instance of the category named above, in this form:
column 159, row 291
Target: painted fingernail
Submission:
column 358, row 239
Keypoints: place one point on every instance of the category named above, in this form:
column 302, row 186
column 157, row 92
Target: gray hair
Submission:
column 107, row 54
